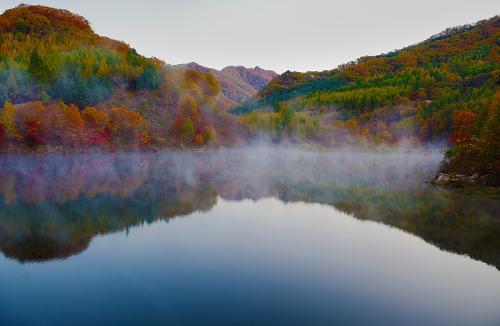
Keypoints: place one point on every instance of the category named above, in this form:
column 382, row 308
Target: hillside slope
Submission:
column 445, row 89
column 63, row 87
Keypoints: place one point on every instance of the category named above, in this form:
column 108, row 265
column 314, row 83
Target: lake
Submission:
column 265, row 235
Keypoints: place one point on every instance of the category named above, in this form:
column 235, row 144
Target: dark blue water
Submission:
column 179, row 240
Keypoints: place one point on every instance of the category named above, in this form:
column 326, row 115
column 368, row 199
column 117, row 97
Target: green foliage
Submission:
column 149, row 79
column 71, row 87
column 359, row 100
column 284, row 121
column 38, row 68
column 285, row 115
column 303, row 124
column 188, row 129
column 15, row 84
column 291, row 85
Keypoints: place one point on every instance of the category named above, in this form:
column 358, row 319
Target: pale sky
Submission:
column 299, row 35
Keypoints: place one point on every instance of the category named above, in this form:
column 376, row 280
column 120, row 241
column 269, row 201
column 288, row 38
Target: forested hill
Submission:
column 444, row 89
column 46, row 52
column 63, row 87
column 465, row 55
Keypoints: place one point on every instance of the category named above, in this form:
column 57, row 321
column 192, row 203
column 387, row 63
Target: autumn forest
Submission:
column 63, row 88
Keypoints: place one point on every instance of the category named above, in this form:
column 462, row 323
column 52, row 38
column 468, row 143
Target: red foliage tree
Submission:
column 3, row 136
column 31, row 123
column 96, row 126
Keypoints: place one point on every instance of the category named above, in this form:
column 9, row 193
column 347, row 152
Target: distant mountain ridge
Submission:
column 237, row 83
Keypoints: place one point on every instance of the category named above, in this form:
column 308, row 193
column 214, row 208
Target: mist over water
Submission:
column 253, row 234
column 257, row 169
column 46, row 200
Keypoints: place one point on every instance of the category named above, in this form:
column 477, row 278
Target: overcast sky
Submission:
column 275, row 34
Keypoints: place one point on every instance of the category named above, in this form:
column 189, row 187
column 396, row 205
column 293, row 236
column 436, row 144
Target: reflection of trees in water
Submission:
column 52, row 230
column 453, row 222
column 51, row 207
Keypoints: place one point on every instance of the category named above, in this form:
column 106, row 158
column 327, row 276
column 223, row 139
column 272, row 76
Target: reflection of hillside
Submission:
column 450, row 221
column 52, row 207
column 53, row 230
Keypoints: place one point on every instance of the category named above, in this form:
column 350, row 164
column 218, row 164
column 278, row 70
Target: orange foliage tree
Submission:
column 127, row 127
column 65, row 125
column 463, row 125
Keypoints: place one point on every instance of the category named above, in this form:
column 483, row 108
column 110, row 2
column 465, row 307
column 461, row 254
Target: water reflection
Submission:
column 254, row 263
column 51, row 207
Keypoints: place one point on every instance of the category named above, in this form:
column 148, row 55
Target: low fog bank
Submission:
column 263, row 163
column 347, row 165
column 250, row 171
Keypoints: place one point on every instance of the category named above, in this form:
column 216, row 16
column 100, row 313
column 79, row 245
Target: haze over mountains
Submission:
column 237, row 83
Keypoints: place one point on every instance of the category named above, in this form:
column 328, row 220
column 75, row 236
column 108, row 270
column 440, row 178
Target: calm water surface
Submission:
column 265, row 236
